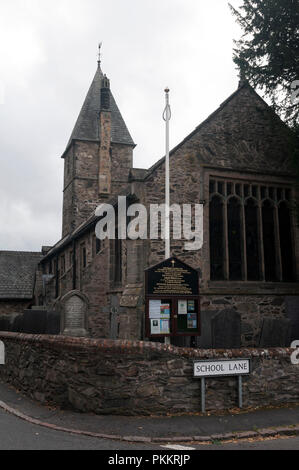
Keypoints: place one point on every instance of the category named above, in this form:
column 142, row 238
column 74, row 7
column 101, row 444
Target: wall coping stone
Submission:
column 140, row 347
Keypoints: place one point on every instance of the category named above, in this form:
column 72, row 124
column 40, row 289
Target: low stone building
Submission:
column 17, row 280
column 238, row 164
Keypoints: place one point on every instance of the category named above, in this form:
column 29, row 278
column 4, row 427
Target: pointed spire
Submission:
column 86, row 127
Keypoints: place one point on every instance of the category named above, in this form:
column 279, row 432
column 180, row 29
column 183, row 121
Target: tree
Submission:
column 267, row 54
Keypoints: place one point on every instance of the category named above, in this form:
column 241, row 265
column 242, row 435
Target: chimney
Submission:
column 105, row 140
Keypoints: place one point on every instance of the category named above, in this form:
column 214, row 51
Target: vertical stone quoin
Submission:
column 105, row 140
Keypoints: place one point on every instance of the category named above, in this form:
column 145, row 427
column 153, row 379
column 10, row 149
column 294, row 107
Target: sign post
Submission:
column 221, row 368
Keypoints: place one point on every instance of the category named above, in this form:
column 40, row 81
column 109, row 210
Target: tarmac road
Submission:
column 16, row 434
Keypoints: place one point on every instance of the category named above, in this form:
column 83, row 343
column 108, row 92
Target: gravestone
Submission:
column 34, row 321
column 226, row 330
column 276, row 332
column 53, row 323
column 74, row 307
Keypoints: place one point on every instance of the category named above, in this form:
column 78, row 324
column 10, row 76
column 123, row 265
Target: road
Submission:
column 16, row 434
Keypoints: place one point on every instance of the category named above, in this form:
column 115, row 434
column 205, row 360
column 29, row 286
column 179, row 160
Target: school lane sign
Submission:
column 2, row 353
column 221, row 367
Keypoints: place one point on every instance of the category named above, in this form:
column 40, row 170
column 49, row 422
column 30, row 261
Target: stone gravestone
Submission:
column 226, row 330
column 275, row 333
column 35, row 321
column 74, row 307
column 53, row 323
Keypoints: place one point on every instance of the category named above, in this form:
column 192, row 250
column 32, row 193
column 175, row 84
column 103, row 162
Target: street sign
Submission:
column 221, row 367
column 2, row 353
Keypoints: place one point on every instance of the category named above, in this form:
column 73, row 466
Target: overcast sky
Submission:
column 48, row 57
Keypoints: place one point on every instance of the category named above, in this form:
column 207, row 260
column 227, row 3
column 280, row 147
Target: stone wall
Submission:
column 253, row 310
column 92, row 280
column 139, row 378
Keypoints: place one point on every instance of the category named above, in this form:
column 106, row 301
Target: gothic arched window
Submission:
column 269, row 241
column 234, row 239
column 286, row 243
column 252, row 240
column 251, row 231
column 216, row 238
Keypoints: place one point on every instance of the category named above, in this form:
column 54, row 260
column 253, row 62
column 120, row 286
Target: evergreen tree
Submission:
column 267, row 54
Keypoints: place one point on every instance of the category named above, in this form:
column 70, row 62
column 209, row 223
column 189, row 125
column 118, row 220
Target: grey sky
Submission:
column 48, row 57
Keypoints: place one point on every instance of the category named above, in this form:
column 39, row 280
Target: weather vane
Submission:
column 100, row 47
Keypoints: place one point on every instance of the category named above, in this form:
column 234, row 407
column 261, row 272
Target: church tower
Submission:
column 98, row 156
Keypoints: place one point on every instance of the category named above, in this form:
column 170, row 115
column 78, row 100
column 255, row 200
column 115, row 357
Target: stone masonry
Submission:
column 140, row 378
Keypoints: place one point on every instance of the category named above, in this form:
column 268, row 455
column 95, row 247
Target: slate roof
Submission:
column 17, row 274
column 84, row 226
column 87, row 125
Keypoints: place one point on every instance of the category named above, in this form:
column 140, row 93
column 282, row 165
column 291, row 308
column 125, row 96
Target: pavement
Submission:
column 231, row 425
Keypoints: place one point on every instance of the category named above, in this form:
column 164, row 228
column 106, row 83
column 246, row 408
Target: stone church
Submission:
column 237, row 163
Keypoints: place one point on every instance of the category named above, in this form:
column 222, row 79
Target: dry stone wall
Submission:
column 139, row 378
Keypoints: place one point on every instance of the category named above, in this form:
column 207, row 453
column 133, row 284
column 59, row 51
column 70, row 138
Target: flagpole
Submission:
column 166, row 117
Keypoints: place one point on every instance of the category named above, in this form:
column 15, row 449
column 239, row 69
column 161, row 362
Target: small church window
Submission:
column 229, row 188
column 246, row 190
column 62, row 264
column 98, row 245
column 83, row 256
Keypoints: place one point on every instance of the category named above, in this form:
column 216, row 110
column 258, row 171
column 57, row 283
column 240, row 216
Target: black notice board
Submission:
column 172, row 277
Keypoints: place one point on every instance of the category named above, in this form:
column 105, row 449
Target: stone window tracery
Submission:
column 251, row 236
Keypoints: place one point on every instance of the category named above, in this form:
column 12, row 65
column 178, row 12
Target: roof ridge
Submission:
column 207, row 120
